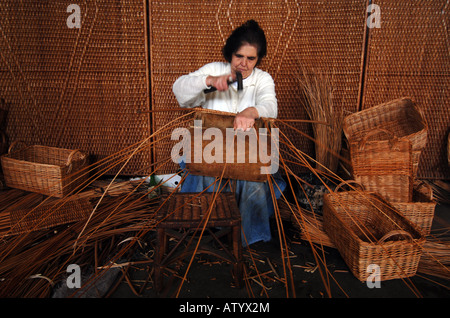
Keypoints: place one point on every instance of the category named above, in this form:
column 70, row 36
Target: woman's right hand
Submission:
column 220, row 82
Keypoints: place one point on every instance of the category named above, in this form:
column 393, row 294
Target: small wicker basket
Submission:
column 46, row 170
column 363, row 226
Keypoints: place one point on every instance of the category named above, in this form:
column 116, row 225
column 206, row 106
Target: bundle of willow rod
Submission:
column 435, row 260
column 318, row 102
column 305, row 221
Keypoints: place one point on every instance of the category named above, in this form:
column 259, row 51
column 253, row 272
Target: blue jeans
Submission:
column 253, row 198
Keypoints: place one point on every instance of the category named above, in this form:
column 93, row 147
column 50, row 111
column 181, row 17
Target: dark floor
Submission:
column 209, row 278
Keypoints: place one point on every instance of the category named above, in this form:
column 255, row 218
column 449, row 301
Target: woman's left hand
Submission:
column 246, row 119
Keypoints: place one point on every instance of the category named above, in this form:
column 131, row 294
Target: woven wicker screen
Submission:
column 409, row 56
column 76, row 88
column 327, row 36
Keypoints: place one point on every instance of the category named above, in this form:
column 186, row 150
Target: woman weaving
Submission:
column 243, row 51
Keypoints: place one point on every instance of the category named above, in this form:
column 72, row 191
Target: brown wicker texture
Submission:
column 3, row 138
column 3, row 114
column 45, row 170
column 401, row 116
column 190, row 210
column 235, row 155
column 382, row 163
column 76, row 88
column 48, row 215
column 327, row 36
column 448, row 149
column 367, row 230
column 409, row 56
column 421, row 210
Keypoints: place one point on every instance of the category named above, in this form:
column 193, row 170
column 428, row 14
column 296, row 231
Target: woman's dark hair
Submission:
column 250, row 33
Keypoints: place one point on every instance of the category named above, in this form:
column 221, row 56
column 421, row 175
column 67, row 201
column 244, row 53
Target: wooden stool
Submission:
column 183, row 215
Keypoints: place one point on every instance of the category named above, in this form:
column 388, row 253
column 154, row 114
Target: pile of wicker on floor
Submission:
column 109, row 227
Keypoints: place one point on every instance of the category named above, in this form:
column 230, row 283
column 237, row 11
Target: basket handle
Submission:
column 363, row 141
column 346, row 183
column 14, row 145
column 70, row 158
column 395, row 232
column 423, row 184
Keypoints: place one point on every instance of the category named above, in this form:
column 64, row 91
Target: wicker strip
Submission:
column 362, row 225
column 448, row 149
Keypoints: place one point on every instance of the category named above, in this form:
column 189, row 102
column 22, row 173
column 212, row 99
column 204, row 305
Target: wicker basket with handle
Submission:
column 383, row 165
column 401, row 116
column 421, row 210
column 367, row 230
column 238, row 157
column 46, row 170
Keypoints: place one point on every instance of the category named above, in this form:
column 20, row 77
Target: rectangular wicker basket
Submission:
column 46, row 170
column 251, row 167
column 367, row 230
column 421, row 210
column 382, row 163
column 401, row 116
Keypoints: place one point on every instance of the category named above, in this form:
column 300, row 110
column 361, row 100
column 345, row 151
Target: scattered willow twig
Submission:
column 125, row 215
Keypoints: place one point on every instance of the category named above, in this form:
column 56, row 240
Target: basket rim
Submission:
column 10, row 156
column 346, row 125
column 418, row 237
column 5, row 157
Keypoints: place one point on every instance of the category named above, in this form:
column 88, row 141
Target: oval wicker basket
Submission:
column 367, row 230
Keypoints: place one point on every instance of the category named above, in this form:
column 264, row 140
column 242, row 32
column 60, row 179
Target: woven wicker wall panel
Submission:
column 326, row 36
column 77, row 88
column 409, row 56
